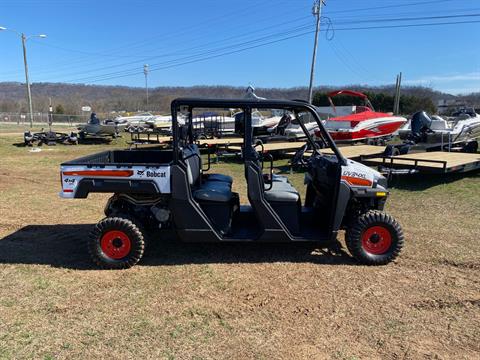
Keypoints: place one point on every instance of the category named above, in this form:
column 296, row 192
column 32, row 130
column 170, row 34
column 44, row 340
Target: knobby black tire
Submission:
column 130, row 229
column 353, row 238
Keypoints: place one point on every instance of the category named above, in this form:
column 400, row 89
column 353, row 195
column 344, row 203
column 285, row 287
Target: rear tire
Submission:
column 116, row 243
column 375, row 238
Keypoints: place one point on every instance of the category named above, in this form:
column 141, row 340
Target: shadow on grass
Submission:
column 63, row 246
column 419, row 182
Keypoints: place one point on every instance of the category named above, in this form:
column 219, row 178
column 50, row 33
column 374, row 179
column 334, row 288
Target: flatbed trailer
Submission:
column 275, row 146
column 434, row 162
column 226, row 141
column 149, row 137
column 353, row 152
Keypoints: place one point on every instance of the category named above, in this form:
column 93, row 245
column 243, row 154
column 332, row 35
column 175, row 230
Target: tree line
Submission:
column 69, row 98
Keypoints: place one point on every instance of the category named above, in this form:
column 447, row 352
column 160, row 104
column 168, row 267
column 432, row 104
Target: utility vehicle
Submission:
column 168, row 189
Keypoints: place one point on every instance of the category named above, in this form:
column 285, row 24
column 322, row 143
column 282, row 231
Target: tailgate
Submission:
column 80, row 180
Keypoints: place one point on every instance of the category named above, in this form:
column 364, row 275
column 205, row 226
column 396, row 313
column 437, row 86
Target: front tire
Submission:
column 375, row 238
column 116, row 243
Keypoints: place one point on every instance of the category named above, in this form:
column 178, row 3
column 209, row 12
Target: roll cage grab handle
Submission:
column 247, row 106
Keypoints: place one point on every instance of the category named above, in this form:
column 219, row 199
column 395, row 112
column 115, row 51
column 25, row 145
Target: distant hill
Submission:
column 119, row 98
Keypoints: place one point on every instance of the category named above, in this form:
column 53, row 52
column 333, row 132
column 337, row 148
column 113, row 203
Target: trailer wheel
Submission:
column 375, row 238
column 116, row 243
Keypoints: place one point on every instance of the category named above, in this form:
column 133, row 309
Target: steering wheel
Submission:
column 299, row 157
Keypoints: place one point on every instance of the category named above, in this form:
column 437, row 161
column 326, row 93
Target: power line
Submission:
column 349, row 55
column 209, row 57
column 201, row 53
column 389, row 6
column 266, row 37
column 132, row 72
column 413, row 18
column 187, row 49
column 408, row 25
column 164, row 55
column 186, row 30
column 344, row 60
column 68, row 64
column 409, row 13
column 208, row 51
column 173, row 34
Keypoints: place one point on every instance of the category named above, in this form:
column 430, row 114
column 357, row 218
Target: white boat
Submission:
column 212, row 123
column 160, row 122
column 136, row 119
column 146, row 121
column 261, row 125
column 294, row 131
column 435, row 131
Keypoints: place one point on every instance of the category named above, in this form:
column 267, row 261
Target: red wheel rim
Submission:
column 376, row 240
column 115, row 244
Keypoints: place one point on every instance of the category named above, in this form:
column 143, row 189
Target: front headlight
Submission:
column 382, row 181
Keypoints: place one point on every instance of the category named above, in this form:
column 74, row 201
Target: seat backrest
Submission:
column 255, row 190
column 193, row 161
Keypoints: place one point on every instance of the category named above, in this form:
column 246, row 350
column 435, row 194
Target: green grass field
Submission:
column 204, row 301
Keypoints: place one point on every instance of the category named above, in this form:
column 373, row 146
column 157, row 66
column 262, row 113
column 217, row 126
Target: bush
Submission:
column 59, row 109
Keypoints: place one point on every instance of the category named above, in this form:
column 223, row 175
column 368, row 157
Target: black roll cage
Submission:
column 247, row 105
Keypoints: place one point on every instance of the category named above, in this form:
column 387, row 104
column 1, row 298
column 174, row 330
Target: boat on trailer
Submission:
column 364, row 124
column 437, row 133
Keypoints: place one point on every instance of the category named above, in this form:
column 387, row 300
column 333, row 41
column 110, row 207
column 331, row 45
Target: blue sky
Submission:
column 266, row 43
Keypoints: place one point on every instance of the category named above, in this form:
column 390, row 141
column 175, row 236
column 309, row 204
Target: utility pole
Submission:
column 29, row 93
column 399, row 89
column 395, row 97
column 145, row 71
column 396, row 105
column 317, row 12
column 50, row 114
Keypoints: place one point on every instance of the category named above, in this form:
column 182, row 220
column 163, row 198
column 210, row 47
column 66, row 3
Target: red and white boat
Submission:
column 364, row 124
